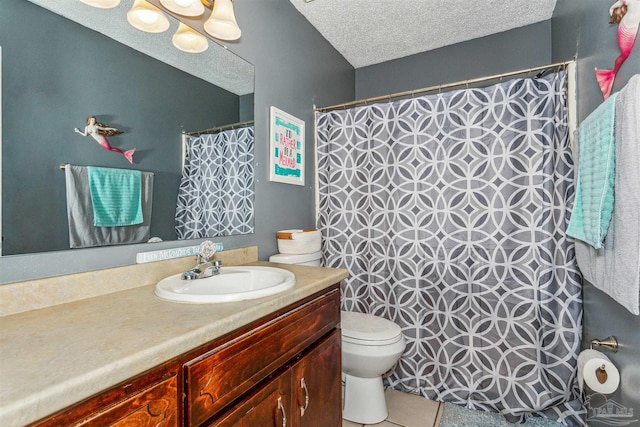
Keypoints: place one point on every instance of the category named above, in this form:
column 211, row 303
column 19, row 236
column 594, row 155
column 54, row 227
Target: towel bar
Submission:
column 62, row 167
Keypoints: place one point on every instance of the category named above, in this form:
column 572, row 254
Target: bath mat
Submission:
column 457, row 416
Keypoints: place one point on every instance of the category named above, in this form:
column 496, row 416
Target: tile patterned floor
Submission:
column 406, row 410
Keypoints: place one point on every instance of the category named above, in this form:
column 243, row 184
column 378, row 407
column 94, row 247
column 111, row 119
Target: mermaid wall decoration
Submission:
column 626, row 13
column 99, row 132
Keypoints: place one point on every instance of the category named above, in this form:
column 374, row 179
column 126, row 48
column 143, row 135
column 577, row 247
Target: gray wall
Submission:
column 55, row 74
column 295, row 68
column 486, row 56
column 580, row 27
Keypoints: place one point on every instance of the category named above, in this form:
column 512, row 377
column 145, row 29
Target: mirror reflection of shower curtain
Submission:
column 449, row 212
column 216, row 194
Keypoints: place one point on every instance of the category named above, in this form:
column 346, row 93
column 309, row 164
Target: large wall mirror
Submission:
column 63, row 61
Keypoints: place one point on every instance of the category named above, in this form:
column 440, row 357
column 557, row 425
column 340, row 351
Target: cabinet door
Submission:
column 269, row 406
column 316, row 387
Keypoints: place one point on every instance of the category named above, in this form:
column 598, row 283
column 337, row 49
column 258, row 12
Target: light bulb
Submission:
column 146, row 17
column 184, row 7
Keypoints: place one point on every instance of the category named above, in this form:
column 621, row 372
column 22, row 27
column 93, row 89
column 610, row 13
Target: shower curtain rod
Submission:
column 219, row 128
column 440, row 87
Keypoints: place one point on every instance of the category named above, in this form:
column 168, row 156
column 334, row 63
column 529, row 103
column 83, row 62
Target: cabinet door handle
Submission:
column 284, row 415
column 303, row 384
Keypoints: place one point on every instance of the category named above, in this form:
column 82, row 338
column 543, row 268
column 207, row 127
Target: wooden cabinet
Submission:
column 282, row 370
column 316, row 385
column 220, row 376
column 155, row 405
column 306, row 393
column 268, row 406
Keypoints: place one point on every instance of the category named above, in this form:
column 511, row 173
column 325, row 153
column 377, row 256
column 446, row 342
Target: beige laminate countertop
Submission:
column 53, row 357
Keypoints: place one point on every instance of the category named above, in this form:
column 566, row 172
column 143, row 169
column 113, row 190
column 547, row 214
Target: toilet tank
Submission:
column 301, row 259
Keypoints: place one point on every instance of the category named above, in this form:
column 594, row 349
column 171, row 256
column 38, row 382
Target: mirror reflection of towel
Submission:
column 116, row 196
column 82, row 231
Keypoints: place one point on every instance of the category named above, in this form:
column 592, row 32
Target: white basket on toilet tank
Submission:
column 298, row 241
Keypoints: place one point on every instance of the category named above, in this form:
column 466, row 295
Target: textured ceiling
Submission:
column 365, row 32
column 368, row 32
column 216, row 65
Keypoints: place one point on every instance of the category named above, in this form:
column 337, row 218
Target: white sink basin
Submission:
column 231, row 284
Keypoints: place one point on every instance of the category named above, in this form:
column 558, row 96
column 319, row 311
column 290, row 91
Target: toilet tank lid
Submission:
column 367, row 327
column 295, row 258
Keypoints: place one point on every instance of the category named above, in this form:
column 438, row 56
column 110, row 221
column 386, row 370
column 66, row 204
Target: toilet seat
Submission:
column 367, row 329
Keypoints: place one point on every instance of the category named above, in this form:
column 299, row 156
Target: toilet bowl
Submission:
column 371, row 346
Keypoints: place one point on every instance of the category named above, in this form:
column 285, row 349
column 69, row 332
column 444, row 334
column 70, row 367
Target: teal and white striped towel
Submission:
column 594, row 198
column 116, row 196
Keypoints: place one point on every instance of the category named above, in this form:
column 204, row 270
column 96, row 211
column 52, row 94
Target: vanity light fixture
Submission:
column 146, row 17
column 149, row 16
column 222, row 22
column 189, row 40
column 102, row 4
column 190, row 8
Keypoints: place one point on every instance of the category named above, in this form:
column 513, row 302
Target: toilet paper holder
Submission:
column 610, row 343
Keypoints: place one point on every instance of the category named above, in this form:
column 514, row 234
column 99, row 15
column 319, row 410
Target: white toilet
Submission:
column 371, row 346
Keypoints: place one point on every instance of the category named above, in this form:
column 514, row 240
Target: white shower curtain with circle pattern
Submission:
column 450, row 211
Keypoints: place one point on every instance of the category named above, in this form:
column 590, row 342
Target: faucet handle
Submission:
column 192, row 274
column 207, row 250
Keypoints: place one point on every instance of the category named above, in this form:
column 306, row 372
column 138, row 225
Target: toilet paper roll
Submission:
column 597, row 372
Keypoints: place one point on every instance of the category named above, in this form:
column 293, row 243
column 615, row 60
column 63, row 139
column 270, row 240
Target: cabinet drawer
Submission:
column 153, row 404
column 216, row 379
column 155, row 407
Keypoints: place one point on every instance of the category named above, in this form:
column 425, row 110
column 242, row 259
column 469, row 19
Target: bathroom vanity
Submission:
column 272, row 361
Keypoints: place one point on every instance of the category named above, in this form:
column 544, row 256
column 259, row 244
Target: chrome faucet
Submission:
column 205, row 266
